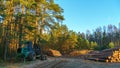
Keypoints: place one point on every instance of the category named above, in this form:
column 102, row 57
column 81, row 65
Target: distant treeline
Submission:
column 105, row 37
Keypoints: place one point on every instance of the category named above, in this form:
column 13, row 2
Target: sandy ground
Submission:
column 53, row 62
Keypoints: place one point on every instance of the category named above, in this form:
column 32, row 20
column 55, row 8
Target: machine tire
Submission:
column 43, row 57
column 31, row 57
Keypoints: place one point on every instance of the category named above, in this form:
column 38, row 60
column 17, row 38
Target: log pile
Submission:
column 108, row 55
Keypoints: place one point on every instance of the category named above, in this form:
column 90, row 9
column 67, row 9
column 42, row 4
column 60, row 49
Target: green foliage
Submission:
column 93, row 45
column 62, row 39
column 97, row 48
column 111, row 45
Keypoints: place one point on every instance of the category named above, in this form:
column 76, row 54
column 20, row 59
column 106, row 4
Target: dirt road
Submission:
column 53, row 62
column 71, row 63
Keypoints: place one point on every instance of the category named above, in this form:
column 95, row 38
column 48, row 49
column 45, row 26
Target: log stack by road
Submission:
column 107, row 55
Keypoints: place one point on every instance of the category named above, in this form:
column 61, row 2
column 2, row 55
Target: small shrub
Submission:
column 111, row 45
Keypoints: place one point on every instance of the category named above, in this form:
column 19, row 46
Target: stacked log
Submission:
column 108, row 55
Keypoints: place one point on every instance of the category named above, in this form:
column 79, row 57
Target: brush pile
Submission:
column 54, row 53
column 79, row 52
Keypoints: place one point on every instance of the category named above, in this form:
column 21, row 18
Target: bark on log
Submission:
column 107, row 55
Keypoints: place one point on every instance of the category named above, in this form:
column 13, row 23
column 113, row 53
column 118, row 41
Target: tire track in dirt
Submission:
column 51, row 64
column 55, row 65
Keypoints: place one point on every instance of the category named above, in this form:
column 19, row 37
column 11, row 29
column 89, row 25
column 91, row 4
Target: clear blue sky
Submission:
column 81, row 15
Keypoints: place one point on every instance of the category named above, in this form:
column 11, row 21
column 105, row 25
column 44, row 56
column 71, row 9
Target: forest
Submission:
column 40, row 21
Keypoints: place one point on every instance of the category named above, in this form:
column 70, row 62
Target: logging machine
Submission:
column 30, row 52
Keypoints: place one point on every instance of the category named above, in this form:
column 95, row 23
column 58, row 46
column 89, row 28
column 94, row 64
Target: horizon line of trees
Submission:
column 105, row 37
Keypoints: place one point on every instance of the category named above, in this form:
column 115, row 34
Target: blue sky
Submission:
column 81, row 15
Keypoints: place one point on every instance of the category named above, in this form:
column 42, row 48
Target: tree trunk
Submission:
column 21, row 26
column 6, row 42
